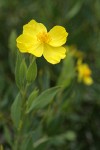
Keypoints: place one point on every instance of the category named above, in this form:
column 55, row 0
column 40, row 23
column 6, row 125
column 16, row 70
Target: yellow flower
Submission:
column 36, row 40
column 84, row 73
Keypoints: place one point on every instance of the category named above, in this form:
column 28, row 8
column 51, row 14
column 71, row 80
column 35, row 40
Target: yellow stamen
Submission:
column 43, row 37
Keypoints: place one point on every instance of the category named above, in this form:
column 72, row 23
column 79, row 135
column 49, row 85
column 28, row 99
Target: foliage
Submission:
column 70, row 119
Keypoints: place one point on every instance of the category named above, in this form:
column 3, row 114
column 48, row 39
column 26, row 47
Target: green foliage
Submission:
column 31, row 72
column 16, row 110
column 43, row 99
column 7, row 135
column 69, row 121
column 31, row 98
column 22, row 74
column 67, row 72
column 13, row 50
column 19, row 70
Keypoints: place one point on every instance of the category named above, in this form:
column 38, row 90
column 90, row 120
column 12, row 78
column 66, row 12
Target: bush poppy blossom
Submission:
column 84, row 73
column 36, row 40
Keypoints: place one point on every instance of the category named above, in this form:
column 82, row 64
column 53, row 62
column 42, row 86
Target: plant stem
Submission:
column 19, row 130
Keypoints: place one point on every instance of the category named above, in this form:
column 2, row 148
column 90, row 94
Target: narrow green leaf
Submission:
column 75, row 9
column 12, row 41
column 68, row 71
column 56, row 140
column 22, row 73
column 16, row 110
column 17, row 68
column 27, row 144
column 32, row 71
column 13, row 49
column 44, row 99
column 31, row 99
column 7, row 135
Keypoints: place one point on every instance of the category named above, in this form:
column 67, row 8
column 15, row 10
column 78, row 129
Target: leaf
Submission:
column 17, row 68
column 22, row 73
column 27, row 144
column 56, row 140
column 68, row 71
column 31, row 137
column 43, row 99
column 13, row 49
column 32, row 71
column 75, row 9
column 16, row 110
column 7, row 134
column 31, row 99
column 12, row 41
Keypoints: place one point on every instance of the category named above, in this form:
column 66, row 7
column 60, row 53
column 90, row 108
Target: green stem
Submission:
column 19, row 131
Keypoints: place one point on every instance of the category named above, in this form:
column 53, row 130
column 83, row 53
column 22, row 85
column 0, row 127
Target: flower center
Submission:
column 43, row 37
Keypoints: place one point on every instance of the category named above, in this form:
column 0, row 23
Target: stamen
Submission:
column 43, row 37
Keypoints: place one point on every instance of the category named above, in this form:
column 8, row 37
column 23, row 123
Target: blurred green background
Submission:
column 79, row 113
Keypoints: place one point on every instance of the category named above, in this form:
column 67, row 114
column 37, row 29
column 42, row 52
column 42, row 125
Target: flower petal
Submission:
column 33, row 28
column 54, row 54
column 24, row 42
column 29, row 44
column 58, row 36
column 88, row 80
column 37, row 50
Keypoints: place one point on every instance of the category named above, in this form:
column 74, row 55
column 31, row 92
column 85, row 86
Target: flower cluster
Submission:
column 84, row 73
column 36, row 40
